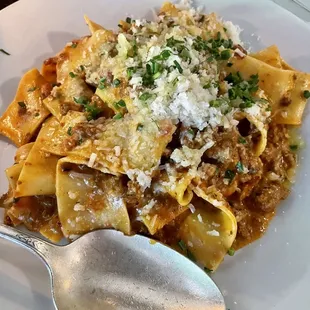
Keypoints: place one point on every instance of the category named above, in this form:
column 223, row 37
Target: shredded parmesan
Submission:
column 78, row 207
column 92, row 160
column 72, row 195
column 213, row 233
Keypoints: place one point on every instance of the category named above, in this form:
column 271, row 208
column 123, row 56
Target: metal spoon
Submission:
column 106, row 270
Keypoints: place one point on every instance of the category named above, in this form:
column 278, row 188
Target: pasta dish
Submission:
column 167, row 128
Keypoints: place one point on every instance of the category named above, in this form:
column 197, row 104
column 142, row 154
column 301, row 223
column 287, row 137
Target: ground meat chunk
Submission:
column 268, row 195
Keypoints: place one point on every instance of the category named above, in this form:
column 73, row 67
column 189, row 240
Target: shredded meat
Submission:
column 82, row 131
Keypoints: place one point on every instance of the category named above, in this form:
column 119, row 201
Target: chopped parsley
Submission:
column 37, row 114
column 4, row 52
column 188, row 253
column 229, row 174
column 231, row 252
column 92, row 110
column 82, row 68
column 118, row 116
column 69, row 131
column 191, row 256
column 172, row 42
column 145, row 96
column 242, row 89
column 242, row 140
column 164, row 55
column 212, row 46
column 225, row 55
column 178, row 66
column 207, row 86
column 207, row 270
column 240, row 167
column 74, row 45
column 121, row 104
column 294, row 147
column 182, row 245
column 128, row 20
column 191, row 131
column 140, row 127
column 229, row 64
column 306, row 94
column 22, row 104
column 101, row 84
column 116, row 82
column 72, row 75
column 131, row 71
column 120, row 26
column 32, row 89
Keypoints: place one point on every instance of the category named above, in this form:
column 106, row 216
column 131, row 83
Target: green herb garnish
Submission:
column 207, row 270
column 177, row 65
column 140, row 127
column 37, row 114
column 92, row 110
column 229, row 64
column 131, row 71
column 306, row 94
column 182, row 245
column 74, row 45
column 294, row 147
column 172, row 42
column 242, row 140
column 31, row 89
column 242, row 89
column 231, row 252
column 225, row 55
column 145, row 96
column 118, row 116
column 128, row 20
column 191, row 131
column 69, row 131
column 4, row 52
column 72, row 75
column 229, row 174
column 116, row 82
column 101, row 84
column 22, row 104
column 121, row 104
column 191, row 256
column 240, row 167
column 185, row 249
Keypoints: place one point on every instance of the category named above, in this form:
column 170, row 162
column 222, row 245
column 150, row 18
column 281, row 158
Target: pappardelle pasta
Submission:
column 166, row 128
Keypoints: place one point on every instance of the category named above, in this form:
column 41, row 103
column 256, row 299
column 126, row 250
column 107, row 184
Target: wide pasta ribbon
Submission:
column 88, row 199
column 27, row 112
column 210, row 231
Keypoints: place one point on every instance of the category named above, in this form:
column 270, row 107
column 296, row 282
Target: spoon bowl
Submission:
column 106, row 270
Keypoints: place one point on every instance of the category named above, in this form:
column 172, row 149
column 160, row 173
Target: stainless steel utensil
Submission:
column 107, row 270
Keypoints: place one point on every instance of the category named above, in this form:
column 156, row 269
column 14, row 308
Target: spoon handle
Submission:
column 40, row 247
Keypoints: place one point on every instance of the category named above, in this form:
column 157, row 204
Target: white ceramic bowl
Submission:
column 272, row 273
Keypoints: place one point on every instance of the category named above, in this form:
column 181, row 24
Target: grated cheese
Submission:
column 147, row 208
column 192, row 208
column 78, row 207
column 72, row 195
column 213, row 233
column 199, row 218
column 233, row 31
column 143, row 178
column 92, row 160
